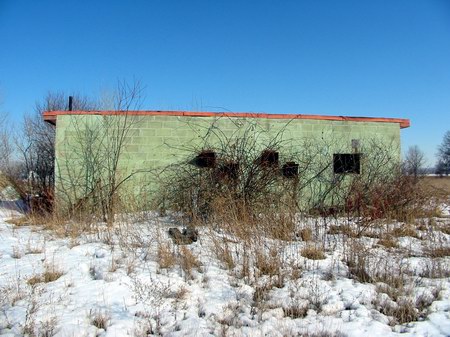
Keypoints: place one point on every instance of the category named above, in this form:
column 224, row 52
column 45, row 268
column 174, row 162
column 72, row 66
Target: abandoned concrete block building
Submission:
column 140, row 145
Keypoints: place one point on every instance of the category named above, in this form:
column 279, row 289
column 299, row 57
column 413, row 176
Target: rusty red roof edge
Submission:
column 51, row 116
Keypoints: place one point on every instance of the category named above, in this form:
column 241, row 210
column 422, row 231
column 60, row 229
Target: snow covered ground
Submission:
column 131, row 280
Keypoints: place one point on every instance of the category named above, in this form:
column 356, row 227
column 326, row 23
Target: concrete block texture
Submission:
column 146, row 145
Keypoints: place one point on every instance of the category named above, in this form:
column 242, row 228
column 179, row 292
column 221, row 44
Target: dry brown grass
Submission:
column 343, row 229
column 388, row 242
column 59, row 224
column 438, row 251
column 437, row 186
column 51, row 273
column 165, row 255
column 188, row 261
column 306, row 234
column 99, row 319
column 268, row 263
column 400, row 312
column 19, row 221
column 357, row 257
column 223, row 252
column 313, row 253
column 445, row 228
column 404, row 230
column 295, row 311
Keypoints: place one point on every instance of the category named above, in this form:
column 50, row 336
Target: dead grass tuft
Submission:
column 313, row 253
column 401, row 311
column 404, row 230
column 268, row 263
column 439, row 251
column 165, row 255
column 99, row 319
column 50, row 274
column 188, row 261
column 445, row 228
column 357, row 258
column 388, row 242
column 223, row 252
column 306, row 234
column 295, row 311
column 404, row 312
column 343, row 229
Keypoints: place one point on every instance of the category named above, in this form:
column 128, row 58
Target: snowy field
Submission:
column 386, row 279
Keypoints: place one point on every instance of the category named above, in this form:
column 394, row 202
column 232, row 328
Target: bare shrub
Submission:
column 260, row 294
column 323, row 333
column 97, row 186
column 236, row 180
column 386, row 195
column 34, row 248
column 393, row 291
column 99, row 319
column 425, row 300
column 51, row 273
column 227, row 166
column 13, row 291
column 357, row 257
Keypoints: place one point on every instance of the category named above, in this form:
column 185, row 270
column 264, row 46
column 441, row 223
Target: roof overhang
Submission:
column 51, row 116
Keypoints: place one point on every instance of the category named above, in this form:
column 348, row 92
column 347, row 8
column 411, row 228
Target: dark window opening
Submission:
column 205, row 159
column 229, row 171
column 290, row 169
column 347, row 163
column 268, row 158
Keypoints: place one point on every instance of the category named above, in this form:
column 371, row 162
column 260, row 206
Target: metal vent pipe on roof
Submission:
column 70, row 103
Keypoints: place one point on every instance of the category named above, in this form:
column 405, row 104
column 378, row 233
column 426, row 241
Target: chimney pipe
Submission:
column 70, row 103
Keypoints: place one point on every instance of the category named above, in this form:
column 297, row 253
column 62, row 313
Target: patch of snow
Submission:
column 120, row 280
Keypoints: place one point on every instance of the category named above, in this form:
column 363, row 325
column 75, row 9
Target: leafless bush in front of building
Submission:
column 251, row 178
column 90, row 174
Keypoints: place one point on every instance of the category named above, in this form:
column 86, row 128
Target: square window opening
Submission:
column 205, row 159
column 290, row 169
column 268, row 158
column 347, row 163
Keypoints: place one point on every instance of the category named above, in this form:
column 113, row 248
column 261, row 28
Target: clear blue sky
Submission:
column 356, row 58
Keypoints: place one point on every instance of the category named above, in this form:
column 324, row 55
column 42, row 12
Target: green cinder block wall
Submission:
column 154, row 142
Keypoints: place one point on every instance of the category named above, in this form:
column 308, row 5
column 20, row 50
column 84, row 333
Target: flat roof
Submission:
column 51, row 116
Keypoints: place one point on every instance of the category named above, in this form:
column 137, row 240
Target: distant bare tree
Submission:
column 5, row 144
column 414, row 161
column 36, row 144
column 443, row 166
